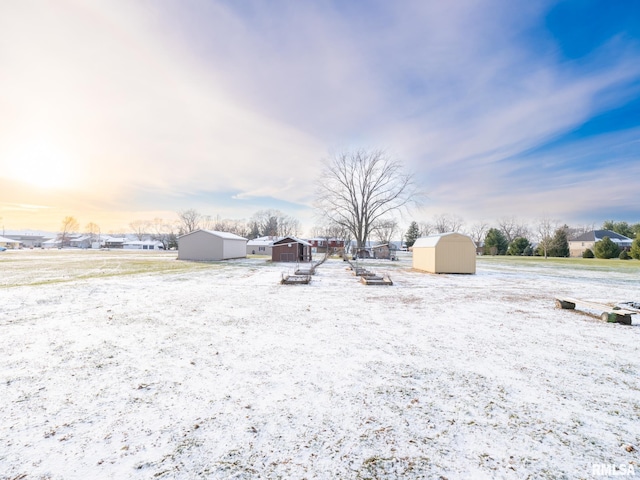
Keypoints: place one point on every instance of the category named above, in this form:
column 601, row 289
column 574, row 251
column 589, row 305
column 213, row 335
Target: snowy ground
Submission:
column 115, row 365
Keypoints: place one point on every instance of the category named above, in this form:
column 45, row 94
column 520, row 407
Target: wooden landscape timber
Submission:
column 607, row 313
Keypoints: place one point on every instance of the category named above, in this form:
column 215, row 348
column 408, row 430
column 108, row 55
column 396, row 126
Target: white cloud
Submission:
column 247, row 98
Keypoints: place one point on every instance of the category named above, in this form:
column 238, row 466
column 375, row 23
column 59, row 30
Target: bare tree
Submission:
column 165, row 232
column 447, row 223
column 69, row 225
column 512, row 228
column 575, row 232
column 289, row 226
column 356, row 189
column 478, row 231
column 189, row 220
column 274, row 223
column 207, row 222
column 385, row 229
column 139, row 228
column 93, row 230
column 426, row 229
column 545, row 227
column 237, row 227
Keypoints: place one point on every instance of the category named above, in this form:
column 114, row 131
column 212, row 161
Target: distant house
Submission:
column 113, row 242
column 588, row 240
column 211, row 245
column 28, row 238
column 291, row 249
column 321, row 245
column 261, row 245
column 445, row 253
column 384, row 251
column 80, row 241
column 52, row 243
column 143, row 245
column 9, row 243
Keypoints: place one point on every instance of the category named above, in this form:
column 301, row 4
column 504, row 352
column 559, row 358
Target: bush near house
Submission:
column 588, row 253
column 624, row 255
column 635, row 248
column 606, row 248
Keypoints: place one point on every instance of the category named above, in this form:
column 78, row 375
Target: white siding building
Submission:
column 261, row 245
column 210, row 245
column 143, row 245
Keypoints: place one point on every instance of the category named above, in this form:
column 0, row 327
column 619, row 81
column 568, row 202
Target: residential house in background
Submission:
column 113, row 242
column 321, row 244
column 143, row 245
column 578, row 245
column 384, row 251
column 261, row 245
column 52, row 243
column 9, row 243
column 28, row 238
column 80, row 241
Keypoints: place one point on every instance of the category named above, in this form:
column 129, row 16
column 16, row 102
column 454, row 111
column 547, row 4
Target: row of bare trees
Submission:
column 264, row 223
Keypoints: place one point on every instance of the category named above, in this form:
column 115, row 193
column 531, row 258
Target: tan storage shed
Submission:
column 445, row 253
column 210, row 245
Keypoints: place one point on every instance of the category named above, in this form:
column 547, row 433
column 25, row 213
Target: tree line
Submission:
column 513, row 237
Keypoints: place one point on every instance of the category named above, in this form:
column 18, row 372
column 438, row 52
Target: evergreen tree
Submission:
column 412, row 234
column 606, row 248
column 495, row 243
column 519, row 246
column 559, row 243
column 635, row 248
column 621, row 228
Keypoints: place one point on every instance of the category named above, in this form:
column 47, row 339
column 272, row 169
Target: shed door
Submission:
column 287, row 257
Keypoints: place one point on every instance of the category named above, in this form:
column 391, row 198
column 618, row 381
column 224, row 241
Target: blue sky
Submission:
column 115, row 111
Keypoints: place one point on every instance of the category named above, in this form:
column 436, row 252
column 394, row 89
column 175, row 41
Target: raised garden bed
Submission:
column 295, row 279
column 376, row 280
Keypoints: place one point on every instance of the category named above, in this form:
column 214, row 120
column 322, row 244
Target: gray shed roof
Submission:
column 225, row 235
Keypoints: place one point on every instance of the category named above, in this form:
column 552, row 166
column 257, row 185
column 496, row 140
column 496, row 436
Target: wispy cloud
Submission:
column 168, row 100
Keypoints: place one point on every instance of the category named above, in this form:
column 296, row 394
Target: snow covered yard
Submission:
column 134, row 365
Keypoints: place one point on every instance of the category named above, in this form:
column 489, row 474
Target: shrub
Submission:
column 624, row 255
column 635, row 248
column 606, row 248
column 588, row 253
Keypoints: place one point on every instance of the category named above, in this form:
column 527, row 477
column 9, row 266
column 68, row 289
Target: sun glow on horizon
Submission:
column 41, row 164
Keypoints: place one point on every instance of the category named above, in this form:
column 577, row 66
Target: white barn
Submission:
column 445, row 253
column 210, row 245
